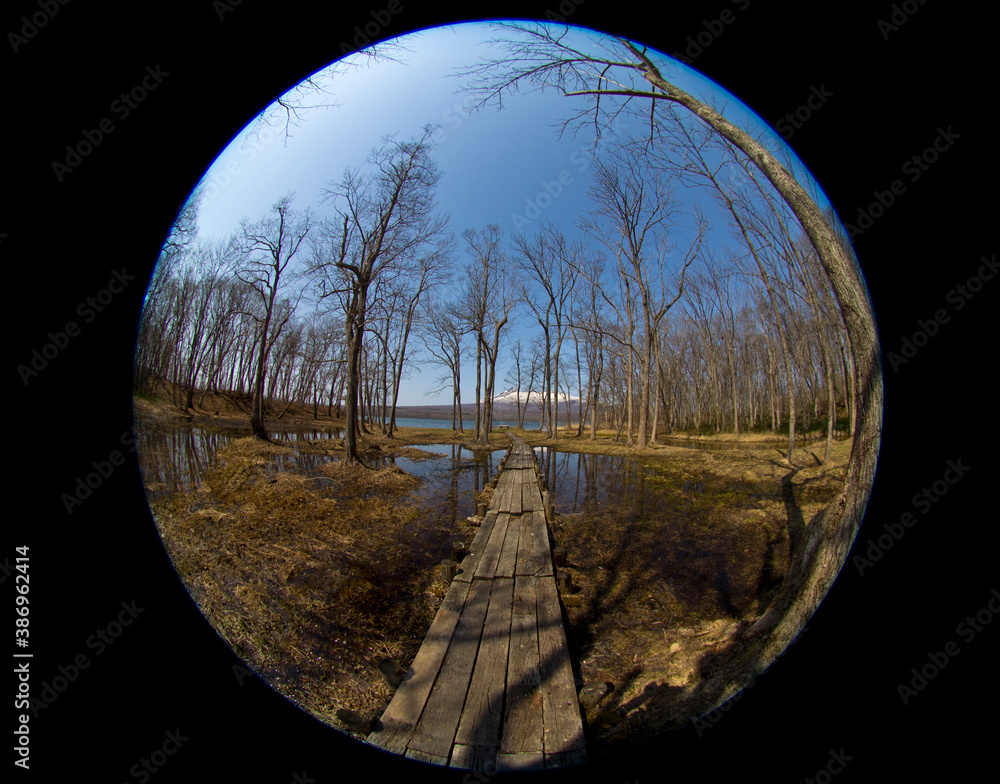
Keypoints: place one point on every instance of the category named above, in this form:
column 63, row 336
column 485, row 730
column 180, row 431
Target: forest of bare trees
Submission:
column 649, row 330
column 703, row 289
column 632, row 312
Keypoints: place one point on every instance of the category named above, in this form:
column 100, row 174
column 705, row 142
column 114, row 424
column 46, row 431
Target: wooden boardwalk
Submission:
column 492, row 687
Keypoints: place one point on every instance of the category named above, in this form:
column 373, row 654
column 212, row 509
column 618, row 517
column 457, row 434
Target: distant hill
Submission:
column 504, row 409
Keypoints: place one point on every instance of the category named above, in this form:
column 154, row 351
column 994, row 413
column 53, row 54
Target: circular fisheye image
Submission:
column 507, row 395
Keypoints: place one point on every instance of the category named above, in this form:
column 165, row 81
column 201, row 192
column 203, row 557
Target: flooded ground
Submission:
column 314, row 572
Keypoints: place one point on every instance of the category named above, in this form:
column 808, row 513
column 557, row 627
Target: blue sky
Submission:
column 494, row 163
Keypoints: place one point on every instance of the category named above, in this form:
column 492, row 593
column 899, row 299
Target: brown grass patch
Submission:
column 310, row 585
column 667, row 578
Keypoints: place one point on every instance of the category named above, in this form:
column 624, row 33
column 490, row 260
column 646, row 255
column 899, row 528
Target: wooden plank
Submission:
column 487, row 566
column 515, row 496
column 526, row 505
column 542, row 556
column 483, row 710
column 532, row 496
column 467, row 569
column 532, row 546
column 482, row 758
column 508, row 491
column 522, row 727
column 435, row 733
column 400, row 717
column 560, row 705
column 508, row 555
column 492, row 686
column 420, row 756
column 496, row 500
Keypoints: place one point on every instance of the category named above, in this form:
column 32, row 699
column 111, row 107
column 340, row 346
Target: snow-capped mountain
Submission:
column 509, row 397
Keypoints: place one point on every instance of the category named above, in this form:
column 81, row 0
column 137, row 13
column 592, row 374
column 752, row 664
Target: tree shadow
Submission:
column 796, row 522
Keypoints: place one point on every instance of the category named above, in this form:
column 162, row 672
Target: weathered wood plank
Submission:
column 492, row 686
column 526, row 504
column 487, row 565
column 401, row 715
column 508, row 554
column 560, row 706
column 420, row 756
column 533, row 497
column 522, row 726
column 508, row 497
column 542, row 556
column 532, row 547
column 483, row 710
column 515, row 495
column 467, row 569
column 496, row 500
column 482, row 758
column 435, row 733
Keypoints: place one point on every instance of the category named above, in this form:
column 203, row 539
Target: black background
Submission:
column 835, row 689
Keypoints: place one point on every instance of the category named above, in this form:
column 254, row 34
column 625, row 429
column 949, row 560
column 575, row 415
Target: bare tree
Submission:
column 429, row 271
column 617, row 73
column 548, row 259
column 632, row 215
column 444, row 327
column 516, row 376
column 490, row 297
column 384, row 220
column 267, row 248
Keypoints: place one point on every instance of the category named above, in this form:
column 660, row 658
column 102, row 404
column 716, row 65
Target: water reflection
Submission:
column 176, row 460
column 578, row 481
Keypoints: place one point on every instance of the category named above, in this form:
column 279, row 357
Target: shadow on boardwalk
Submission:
column 492, row 686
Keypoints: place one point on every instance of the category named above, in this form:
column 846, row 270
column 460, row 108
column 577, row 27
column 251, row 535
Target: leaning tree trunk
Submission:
column 830, row 534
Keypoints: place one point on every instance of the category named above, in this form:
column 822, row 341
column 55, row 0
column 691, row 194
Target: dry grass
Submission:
column 312, row 582
column 311, row 586
column 662, row 591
